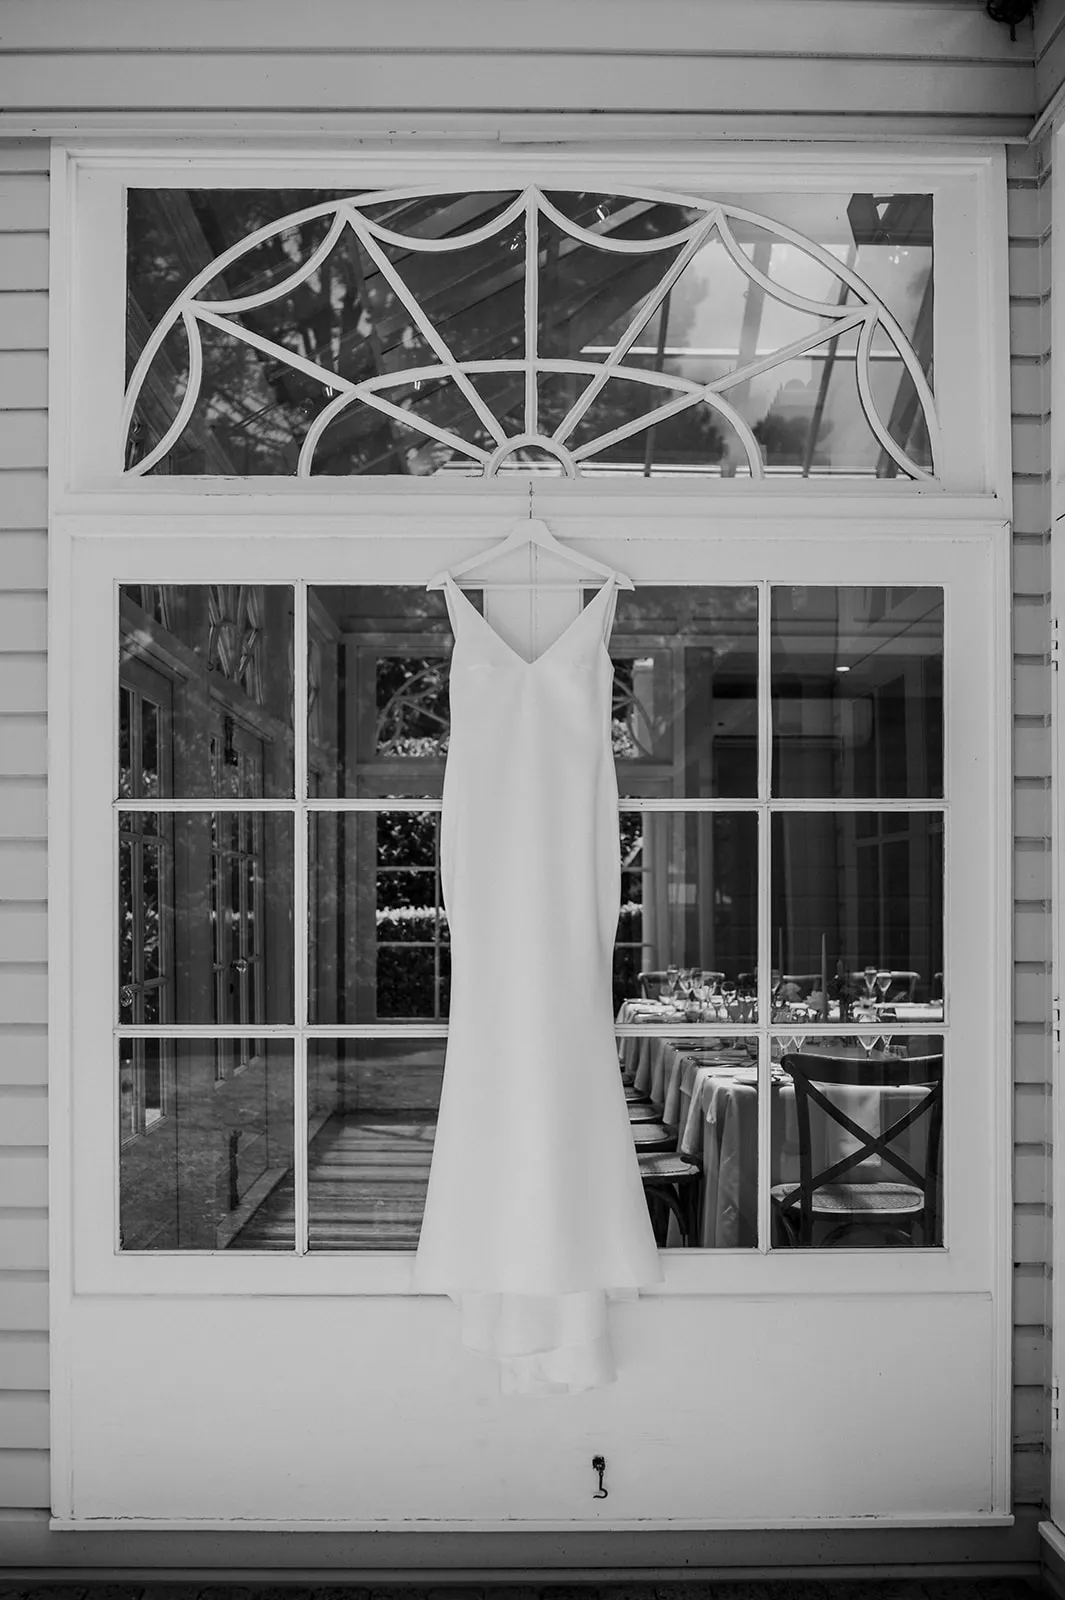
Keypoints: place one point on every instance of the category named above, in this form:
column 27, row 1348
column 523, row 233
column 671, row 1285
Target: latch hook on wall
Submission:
column 599, row 1466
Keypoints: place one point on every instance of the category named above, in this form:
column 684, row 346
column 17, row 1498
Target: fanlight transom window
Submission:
column 645, row 334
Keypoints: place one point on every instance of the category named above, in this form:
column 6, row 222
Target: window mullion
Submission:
column 299, row 913
column 765, row 954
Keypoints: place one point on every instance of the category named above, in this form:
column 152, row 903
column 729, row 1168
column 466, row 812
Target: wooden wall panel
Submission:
column 1029, row 229
column 941, row 63
column 23, row 862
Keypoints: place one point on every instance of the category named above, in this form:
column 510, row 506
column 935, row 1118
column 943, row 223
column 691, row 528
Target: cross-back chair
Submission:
column 902, row 1212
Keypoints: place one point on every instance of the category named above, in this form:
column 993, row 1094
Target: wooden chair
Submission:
column 671, row 1185
column 905, row 1213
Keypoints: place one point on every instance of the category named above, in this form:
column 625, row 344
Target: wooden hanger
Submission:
column 523, row 534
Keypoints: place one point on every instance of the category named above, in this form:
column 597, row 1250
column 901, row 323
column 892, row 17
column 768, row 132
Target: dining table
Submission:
column 706, row 1092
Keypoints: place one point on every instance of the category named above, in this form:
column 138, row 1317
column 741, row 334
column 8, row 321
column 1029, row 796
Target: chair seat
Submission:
column 858, row 1199
column 635, row 1096
column 653, row 1136
column 643, row 1111
column 667, row 1167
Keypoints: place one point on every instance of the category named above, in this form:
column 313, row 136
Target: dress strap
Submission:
column 610, row 608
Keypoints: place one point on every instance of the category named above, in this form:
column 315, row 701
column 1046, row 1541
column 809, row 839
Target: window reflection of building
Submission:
column 205, row 692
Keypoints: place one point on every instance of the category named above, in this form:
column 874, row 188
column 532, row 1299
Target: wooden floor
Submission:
column 366, row 1185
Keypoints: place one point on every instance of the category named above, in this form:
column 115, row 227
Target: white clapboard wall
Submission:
column 23, row 974
column 797, row 66
column 1029, row 228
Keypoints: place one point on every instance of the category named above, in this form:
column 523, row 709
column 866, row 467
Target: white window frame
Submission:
column 103, row 528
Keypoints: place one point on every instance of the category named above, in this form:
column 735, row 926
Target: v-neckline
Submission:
column 509, row 649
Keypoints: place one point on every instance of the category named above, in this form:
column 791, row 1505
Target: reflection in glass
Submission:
column 857, row 1142
column 689, row 901
column 201, row 1160
column 205, row 691
column 371, row 1107
column 379, row 937
column 378, row 713
column 699, row 1155
column 205, row 918
column 685, row 715
column 853, row 890
column 718, row 325
column 857, row 689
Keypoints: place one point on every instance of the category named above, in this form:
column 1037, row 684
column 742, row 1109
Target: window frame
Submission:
column 171, row 530
column 970, row 340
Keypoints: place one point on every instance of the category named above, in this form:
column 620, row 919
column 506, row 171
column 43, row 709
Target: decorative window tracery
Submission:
column 418, row 332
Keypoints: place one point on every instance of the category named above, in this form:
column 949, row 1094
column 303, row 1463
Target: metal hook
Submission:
column 599, row 1466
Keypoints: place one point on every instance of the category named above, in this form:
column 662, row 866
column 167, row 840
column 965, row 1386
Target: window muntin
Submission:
column 709, row 884
column 650, row 335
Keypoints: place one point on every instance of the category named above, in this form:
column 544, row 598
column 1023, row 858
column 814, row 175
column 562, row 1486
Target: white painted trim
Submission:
column 972, row 335
column 973, row 130
column 1057, row 611
column 60, row 964
column 516, row 1525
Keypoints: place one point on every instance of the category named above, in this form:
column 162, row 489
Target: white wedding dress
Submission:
column 535, row 1213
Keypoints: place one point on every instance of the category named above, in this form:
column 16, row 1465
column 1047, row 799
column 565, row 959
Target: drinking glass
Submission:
column 870, row 982
column 883, row 984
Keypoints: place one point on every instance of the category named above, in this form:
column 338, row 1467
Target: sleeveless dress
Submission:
column 535, row 1213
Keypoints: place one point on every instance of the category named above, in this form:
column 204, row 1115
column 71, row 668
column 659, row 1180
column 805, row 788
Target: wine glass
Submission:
column 869, row 976
column 672, row 976
column 883, row 984
column 868, row 1042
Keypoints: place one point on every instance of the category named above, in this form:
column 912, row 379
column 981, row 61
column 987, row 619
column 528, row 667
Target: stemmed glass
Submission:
column 883, row 984
column 672, row 977
column 869, row 976
column 869, row 1042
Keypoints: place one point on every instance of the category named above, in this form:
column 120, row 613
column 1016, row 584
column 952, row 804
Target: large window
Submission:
column 780, row 763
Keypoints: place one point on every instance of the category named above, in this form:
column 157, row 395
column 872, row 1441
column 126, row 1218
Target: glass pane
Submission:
column 857, row 1142
column 857, row 688
column 206, row 691
column 378, row 714
column 721, row 324
column 693, row 1105
column 205, row 1160
column 379, row 947
column 372, row 1107
column 685, row 717
column 689, row 901
column 857, row 915
column 205, row 917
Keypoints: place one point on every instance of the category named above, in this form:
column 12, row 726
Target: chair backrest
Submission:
column 651, row 985
column 812, row 1074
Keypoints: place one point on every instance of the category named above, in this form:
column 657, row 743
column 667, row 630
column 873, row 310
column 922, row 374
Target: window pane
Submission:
column 378, row 712
column 689, row 901
column 857, row 1142
column 685, row 717
column 693, row 1104
column 857, row 692
column 379, row 942
column 732, row 368
column 857, row 893
column 205, row 917
column 372, row 1107
column 206, row 691
column 205, row 1163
